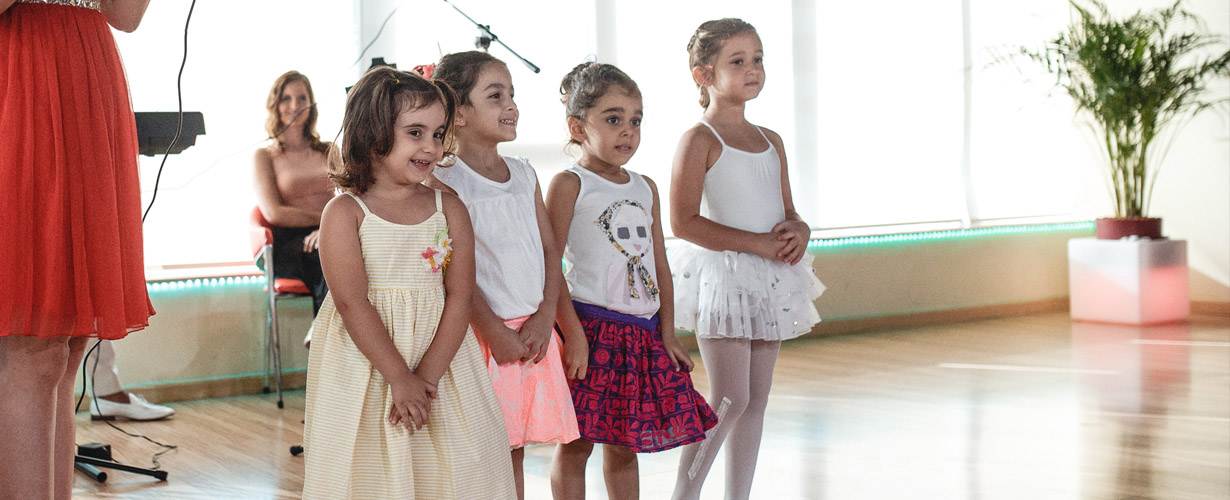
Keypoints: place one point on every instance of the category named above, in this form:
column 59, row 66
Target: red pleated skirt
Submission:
column 71, row 260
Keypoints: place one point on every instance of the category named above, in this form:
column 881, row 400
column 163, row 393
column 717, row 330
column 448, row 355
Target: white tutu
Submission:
column 744, row 296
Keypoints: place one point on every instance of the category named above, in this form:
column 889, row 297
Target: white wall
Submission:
column 215, row 333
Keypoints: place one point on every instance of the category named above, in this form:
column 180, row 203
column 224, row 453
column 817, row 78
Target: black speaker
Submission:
column 155, row 130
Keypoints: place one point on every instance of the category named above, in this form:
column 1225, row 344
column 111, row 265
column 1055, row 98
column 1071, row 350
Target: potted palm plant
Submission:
column 1136, row 78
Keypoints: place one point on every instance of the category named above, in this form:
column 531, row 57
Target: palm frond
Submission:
column 1134, row 76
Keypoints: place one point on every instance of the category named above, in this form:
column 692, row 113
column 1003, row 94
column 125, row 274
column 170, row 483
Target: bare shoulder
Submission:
column 699, row 147
column 343, row 203
column 435, row 183
column 270, row 147
column 565, row 181
column 653, row 186
column 699, row 136
column 342, row 207
column 264, row 154
column 450, row 200
column 451, row 204
column 773, row 136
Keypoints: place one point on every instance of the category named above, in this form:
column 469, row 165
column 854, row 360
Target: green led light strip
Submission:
column 816, row 244
column 203, row 283
column 951, row 234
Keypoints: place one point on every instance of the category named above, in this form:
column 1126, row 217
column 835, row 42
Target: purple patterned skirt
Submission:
column 632, row 396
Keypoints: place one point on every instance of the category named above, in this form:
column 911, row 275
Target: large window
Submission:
column 1030, row 154
column 234, row 54
column 889, row 93
column 652, row 49
column 893, row 111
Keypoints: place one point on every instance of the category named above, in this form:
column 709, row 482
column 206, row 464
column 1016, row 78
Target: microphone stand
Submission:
column 485, row 37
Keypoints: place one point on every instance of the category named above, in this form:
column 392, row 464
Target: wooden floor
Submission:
column 1032, row 407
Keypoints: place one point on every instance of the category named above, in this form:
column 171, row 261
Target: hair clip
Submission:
column 425, row 70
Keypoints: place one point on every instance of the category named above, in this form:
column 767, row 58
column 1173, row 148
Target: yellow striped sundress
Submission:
column 352, row 450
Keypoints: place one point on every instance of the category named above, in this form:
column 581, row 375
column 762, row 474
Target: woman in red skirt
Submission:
column 71, row 265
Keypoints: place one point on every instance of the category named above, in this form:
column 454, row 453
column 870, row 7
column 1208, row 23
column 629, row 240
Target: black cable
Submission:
column 377, row 37
column 281, row 128
column 77, row 407
column 166, row 448
column 179, row 127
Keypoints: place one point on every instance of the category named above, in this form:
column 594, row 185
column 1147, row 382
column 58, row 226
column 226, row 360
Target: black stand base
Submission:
column 94, row 455
column 90, row 465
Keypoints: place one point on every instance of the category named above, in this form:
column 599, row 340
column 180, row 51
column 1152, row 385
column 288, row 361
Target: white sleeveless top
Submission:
column 744, row 190
column 727, row 294
column 508, row 254
column 610, row 245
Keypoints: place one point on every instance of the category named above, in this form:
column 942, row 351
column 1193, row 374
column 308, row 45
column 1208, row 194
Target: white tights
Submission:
column 740, row 376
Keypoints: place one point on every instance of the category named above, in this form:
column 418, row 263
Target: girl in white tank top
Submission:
column 613, row 216
column 744, row 281
column 636, row 395
column 516, row 264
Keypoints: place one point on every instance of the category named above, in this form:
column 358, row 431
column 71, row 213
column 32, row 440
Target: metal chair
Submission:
column 276, row 289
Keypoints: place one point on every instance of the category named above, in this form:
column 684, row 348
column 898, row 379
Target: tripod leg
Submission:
column 160, row 475
column 91, row 471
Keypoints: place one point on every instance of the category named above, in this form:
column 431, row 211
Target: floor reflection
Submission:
column 1151, row 368
column 1031, row 407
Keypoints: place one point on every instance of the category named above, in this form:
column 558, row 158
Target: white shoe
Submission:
column 137, row 408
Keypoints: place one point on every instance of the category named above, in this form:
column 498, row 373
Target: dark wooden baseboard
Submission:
column 1211, row 308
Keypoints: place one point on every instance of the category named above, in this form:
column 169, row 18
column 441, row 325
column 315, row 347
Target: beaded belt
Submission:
column 85, row 4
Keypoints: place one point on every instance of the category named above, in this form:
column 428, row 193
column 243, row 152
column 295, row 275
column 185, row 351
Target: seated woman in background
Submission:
column 292, row 182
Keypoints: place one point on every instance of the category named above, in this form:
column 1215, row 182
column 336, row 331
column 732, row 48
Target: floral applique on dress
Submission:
column 440, row 252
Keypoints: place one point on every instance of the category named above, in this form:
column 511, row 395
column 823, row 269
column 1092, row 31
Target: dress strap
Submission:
column 439, row 197
column 715, row 132
column 360, row 202
column 762, row 134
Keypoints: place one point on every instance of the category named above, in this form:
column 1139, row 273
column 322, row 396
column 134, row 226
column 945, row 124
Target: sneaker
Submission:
column 137, row 408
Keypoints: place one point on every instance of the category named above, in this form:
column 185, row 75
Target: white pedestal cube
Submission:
column 1138, row 282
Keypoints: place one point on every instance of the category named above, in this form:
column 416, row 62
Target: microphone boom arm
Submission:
column 485, row 30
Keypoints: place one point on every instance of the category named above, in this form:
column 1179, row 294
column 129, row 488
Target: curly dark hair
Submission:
column 372, row 107
column 589, row 81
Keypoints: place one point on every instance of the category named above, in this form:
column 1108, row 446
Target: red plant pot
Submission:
column 1113, row 228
